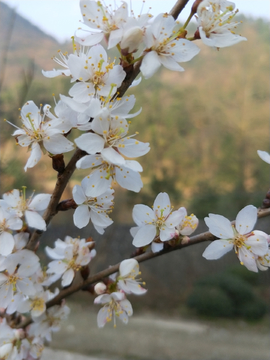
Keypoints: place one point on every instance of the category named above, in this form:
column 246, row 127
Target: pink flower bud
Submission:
column 100, row 288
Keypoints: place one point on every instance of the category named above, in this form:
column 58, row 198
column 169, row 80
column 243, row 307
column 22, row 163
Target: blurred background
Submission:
column 204, row 127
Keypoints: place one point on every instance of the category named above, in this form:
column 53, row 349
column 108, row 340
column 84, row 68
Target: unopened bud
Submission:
column 132, row 39
column 185, row 240
column 58, row 163
column 100, row 288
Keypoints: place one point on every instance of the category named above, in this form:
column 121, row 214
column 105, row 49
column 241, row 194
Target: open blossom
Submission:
column 8, row 222
column 126, row 278
column 111, row 140
column 105, row 23
column 49, row 322
column 188, row 223
column 248, row 245
column 16, row 203
column 115, row 306
column 38, row 134
column 157, row 222
column 265, row 156
column 95, row 209
column 95, row 74
column 14, row 281
column 70, row 255
column 215, row 23
column 12, row 344
column 164, row 48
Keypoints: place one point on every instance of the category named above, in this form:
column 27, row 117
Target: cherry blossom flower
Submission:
column 164, row 48
column 39, row 134
column 49, row 322
column 14, row 280
column 95, row 209
column 111, row 140
column 105, row 23
column 70, row 255
column 126, row 278
column 31, row 208
column 8, row 222
column 265, row 156
column 215, row 23
column 188, row 223
column 159, row 222
column 104, row 172
column 248, row 244
column 95, row 74
column 116, row 305
column 12, row 344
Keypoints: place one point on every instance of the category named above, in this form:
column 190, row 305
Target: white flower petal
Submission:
column 217, row 249
column 246, row 219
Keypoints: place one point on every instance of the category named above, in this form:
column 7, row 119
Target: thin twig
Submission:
column 178, row 7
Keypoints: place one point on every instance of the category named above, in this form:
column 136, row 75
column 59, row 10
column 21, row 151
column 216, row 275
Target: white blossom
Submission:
column 163, row 47
column 70, row 255
column 8, row 222
column 157, row 222
column 29, row 208
column 126, row 278
column 39, row 134
column 248, row 244
column 95, row 74
column 115, row 305
column 215, row 23
column 95, row 209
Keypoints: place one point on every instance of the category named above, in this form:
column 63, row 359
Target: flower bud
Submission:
column 100, row 288
column 132, row 39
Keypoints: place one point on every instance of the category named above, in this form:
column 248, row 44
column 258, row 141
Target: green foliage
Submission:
column 211, row 302
column 226, row 295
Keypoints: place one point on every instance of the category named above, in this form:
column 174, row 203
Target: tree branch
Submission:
column 196, row 239
column 178, row 7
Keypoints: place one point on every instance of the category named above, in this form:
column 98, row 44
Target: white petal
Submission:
column 112, row 156
column 58, row 144
column 127, row 266
column 264, row 156
column 150, row 64
column 35, row 220
column 217, row 249
column 81, row 216
column 219, row 226
column 91, row 143
column 6, row 243
column 40, row 202
column 78, row 195
column 156, row 247
column 67, row 278
column 144, row 236
column 246, row 219
column 143, row 214
column 34, row 157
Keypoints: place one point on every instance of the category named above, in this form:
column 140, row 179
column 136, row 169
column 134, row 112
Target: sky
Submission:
column 60, row 18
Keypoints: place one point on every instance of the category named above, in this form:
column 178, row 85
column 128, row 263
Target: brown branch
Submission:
column 196, row 239
column 178, row 7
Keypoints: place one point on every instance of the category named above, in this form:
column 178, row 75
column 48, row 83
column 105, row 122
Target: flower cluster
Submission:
column 251, row 246
column 113, row 295
column 96, row 107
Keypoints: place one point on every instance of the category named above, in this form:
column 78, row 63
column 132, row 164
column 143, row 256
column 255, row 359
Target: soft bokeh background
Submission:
column 204, row 127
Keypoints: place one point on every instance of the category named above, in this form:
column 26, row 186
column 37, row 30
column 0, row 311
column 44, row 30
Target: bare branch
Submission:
column 178, row 7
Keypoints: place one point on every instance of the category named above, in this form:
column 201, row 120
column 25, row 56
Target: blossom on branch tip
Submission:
column 248, row 245
column 215, row 24
column 163, row 47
